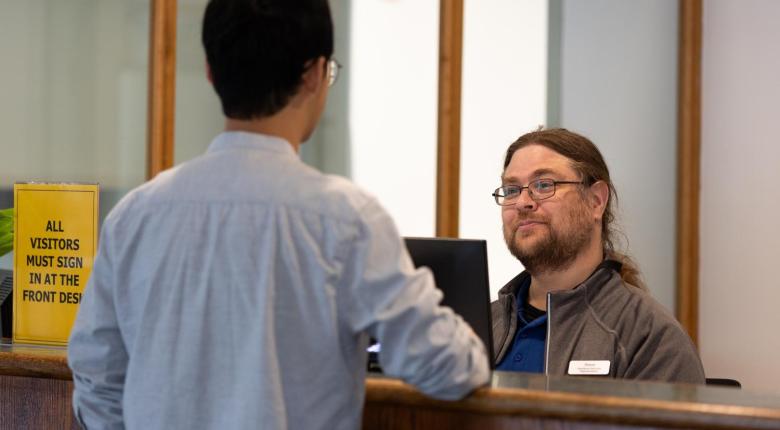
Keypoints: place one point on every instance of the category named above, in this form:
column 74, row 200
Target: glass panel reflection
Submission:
column 198, row 112
column 646, row 390
column 74, row 90
column 379, row 127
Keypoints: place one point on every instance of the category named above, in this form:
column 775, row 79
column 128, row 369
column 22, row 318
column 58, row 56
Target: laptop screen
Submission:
column 460, row 269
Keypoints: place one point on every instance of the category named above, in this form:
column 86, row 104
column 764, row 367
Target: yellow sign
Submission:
column 55, row 239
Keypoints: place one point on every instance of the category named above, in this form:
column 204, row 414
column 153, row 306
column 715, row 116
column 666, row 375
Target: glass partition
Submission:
column 198, row 112
column 616, row 68
column 379, row 127
column 603, row 68
column 74, row 90
column 525, row 63
column 393, row 98
column 504, row 96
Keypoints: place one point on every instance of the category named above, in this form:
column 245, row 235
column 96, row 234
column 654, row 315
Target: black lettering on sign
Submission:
column 54, row 226
column 40, row 260
column 69, row 262
column 69, row 280
column 47, row 243
column 38, row 296
column 35, row 278
column 70, row 298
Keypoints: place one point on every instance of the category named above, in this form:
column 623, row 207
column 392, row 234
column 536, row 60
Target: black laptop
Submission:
column 6, row 302
column 460, row 269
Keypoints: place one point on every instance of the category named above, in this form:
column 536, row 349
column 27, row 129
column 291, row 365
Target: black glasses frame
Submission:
column 500, row 193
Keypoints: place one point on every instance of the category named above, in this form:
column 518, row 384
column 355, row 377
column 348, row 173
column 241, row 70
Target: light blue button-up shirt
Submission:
column 239, row 290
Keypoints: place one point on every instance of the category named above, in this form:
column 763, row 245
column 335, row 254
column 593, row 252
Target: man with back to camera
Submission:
column 240, row 289
column 580, row 307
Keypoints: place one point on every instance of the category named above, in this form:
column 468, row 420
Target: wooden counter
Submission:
column 35, row 392
column 531, row 401
column 35, row 388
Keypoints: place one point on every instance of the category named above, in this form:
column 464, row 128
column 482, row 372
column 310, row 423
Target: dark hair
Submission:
column 586, row 160
column 258, row 50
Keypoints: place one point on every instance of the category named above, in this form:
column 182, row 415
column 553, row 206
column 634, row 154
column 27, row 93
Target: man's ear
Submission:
column 599, row 197
column 209, row 76
column 314, row 76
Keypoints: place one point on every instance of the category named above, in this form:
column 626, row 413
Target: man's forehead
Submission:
column 534, row 161
column 542, row 171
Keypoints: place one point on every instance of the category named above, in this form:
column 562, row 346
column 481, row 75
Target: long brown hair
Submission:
column 587, row 160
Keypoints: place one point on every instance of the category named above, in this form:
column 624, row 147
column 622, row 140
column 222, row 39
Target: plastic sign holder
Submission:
column 55, row 240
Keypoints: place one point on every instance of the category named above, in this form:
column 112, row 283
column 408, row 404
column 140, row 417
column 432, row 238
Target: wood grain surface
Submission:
column 35, row 392
column 448, row 148
column 688, row 165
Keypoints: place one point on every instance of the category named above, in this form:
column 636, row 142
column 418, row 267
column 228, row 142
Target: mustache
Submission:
column 521, row 220
column 513, row 230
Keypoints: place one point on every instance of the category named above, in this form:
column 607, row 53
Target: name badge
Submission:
column 589, row 367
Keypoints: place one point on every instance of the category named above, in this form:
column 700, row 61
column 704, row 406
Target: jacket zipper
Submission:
column 503, row 350
column 547, row 337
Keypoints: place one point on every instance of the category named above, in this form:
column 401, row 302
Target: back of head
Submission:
column 586, row 159
column 257, row 51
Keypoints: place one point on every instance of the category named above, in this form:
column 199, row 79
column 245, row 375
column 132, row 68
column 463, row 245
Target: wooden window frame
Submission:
column 162, row 87
column 688, row 165
column 449, row 110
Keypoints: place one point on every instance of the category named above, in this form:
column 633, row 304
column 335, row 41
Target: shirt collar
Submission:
column 521, row 298
column 252, row 141
column 522, row 291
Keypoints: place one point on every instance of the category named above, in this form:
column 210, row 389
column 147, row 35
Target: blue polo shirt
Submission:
column 527, row 352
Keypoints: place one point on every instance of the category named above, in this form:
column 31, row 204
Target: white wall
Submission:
column 503, row 96
column 618, row 86
column 740, row 162
column 393, row 87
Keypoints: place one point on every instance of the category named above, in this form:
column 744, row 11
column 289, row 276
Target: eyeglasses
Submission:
column 539, row 189
column 333, row 71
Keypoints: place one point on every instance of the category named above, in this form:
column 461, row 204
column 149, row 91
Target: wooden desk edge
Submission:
column 576, row 406
column 496, row 401
column 34, row 365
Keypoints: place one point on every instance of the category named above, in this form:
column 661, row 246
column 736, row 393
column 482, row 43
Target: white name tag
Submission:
column 589, row 367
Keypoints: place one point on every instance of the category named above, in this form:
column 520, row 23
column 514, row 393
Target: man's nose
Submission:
column 524, row 201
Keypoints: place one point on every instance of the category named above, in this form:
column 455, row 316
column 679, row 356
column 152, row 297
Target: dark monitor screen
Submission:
column 460, row 269
column 6, row 302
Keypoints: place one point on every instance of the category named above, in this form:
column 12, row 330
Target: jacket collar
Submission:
column 512, row 287
column 505, row 325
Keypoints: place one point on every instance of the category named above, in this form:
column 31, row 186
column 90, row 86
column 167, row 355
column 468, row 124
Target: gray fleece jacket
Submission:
column 604, row 319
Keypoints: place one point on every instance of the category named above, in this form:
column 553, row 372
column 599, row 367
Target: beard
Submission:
column 556, row 248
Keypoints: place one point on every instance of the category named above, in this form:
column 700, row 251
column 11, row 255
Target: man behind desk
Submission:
column 579, row 308
column 239, row 290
